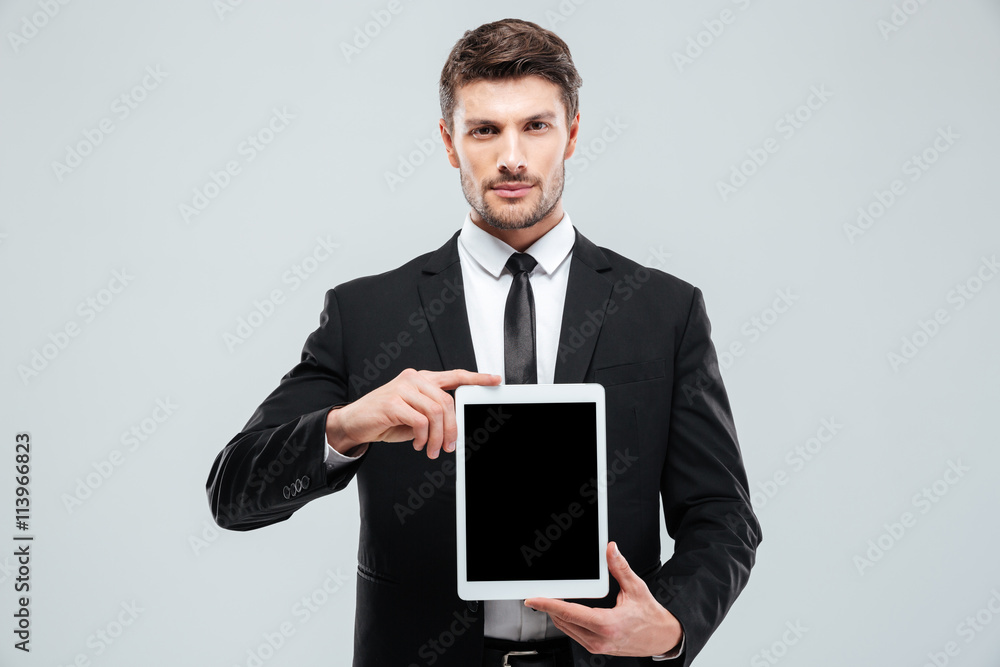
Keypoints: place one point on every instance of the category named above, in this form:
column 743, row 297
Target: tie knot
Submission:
column 521, row 261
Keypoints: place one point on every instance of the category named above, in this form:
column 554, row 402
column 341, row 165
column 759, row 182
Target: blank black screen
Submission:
column 531, row 491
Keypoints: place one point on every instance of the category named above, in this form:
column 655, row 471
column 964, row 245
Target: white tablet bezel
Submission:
column 533, row 393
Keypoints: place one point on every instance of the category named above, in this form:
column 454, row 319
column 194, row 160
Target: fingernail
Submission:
column 618, row 554
column 450, row 447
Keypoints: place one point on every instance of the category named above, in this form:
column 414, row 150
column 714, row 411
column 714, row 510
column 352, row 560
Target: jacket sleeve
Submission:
column 705, row 493
column 275, row 465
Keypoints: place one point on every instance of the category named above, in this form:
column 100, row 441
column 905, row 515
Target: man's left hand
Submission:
column 637, row 625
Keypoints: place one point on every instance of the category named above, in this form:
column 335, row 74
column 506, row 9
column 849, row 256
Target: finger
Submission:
column 581, row 636
column 424, row 394
column 459, row 376
column 572, row 612
column 449, row 423
column 430, row 432
column 628, row 580
column 572, row 632
column 401, row 413
column 451, row 379
column 450, row 426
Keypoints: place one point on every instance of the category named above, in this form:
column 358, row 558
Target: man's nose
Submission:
column 512, row 158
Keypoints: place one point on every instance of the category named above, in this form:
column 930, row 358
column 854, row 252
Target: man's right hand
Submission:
column 412, row 406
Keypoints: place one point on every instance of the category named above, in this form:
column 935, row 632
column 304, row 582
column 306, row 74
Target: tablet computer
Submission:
column 531, row 496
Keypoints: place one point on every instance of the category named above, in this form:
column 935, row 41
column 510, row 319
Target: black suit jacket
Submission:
column 641, row 333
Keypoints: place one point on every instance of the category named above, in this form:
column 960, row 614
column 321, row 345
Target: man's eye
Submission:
column 542, row 124
column 478, row 132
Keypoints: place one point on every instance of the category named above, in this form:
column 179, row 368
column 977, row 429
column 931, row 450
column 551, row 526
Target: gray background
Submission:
column 649, row 189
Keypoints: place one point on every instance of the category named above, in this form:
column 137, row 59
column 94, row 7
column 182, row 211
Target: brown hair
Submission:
column 507, row 49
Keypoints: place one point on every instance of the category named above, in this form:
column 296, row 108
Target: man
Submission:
column 516, row 293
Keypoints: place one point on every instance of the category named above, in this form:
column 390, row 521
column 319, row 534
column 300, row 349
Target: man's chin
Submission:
column 507, row 224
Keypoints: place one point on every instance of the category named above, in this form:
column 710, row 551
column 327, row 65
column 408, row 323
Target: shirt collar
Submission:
column 492, row 254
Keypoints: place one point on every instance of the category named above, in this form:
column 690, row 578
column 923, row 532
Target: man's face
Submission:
column 509, row 142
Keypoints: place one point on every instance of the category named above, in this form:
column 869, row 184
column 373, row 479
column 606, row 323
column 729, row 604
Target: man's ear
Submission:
column 574, row 130
column 449, row 145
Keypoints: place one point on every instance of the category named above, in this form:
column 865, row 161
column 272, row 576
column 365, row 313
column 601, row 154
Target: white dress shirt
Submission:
column 486, row 284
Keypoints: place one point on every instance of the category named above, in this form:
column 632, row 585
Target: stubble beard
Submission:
column 510, row 216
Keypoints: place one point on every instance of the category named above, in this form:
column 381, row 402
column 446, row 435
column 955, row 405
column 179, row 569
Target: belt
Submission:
column 553, row 652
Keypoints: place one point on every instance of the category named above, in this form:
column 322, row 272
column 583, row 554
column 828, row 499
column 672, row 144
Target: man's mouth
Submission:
column 512, row 190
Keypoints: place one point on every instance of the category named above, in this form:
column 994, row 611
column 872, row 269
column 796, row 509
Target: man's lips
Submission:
column 512, row 190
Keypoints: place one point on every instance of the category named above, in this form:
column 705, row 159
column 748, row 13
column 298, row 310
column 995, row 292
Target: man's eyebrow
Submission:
column 545, row 115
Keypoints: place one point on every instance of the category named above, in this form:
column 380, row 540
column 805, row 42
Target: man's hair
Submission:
column 508, row 49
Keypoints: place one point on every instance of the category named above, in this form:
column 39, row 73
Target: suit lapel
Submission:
column 442, row 296
column 587, row 296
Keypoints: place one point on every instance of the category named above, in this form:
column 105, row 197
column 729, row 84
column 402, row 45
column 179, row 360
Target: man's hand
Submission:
column 413, row 405
column 637, row 625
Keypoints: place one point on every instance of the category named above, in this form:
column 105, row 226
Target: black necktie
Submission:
column 520, row 364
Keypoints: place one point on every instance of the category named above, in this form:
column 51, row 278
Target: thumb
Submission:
column 620, row 569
